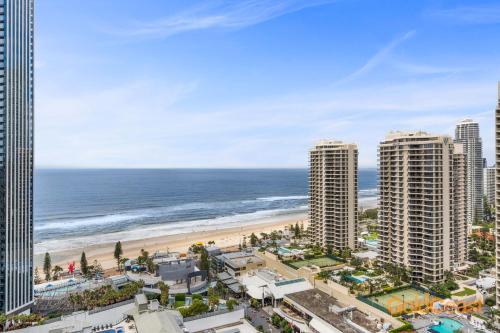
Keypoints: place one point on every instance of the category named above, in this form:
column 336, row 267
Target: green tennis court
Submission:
column 414, row 300
column 319, row 261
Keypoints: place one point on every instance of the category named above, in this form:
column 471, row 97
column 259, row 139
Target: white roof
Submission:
column 486, row 282
column 256, row 286
column 281, row 288
column 323, row 327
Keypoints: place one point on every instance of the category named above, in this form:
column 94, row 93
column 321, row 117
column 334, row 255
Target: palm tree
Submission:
column 243, row 291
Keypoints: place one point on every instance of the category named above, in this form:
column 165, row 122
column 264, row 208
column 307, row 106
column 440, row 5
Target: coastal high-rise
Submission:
column 16, row 155
column 421, row 204
column 467, row 133
column 497, row 197
column 489, row 184
column 333, row 190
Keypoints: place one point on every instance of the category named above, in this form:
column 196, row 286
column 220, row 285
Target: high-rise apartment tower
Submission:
column 421, row 204
column 333, row 190
column 16, row 155
column 467, row 133
column 497, row 196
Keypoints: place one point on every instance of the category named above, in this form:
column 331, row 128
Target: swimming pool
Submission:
column 446, row 326
column 357, row 279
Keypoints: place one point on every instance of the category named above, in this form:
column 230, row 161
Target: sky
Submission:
column 254, row 83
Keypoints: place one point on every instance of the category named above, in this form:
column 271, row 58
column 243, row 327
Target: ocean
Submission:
column 75, row 207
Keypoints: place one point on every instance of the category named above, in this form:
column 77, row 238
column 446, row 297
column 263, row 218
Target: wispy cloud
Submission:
column 216, row 14
column 481, row 14
column 424, row 69
column 378, row 58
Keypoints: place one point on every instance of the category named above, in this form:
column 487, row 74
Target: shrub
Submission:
column 180, row 297
column 197, row 296
column 231, row 304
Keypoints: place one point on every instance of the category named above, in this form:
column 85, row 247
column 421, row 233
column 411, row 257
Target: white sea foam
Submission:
column 283, row 198
column 89, row 221
column 368, row 192
column 170, row 228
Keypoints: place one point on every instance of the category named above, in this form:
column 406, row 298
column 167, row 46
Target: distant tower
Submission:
column 333, row 191
column 489, row 184
column 16, row 155
column 421, row 204
column 467, row 133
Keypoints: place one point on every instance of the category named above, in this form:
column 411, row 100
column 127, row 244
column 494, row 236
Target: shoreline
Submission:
column 65, row 251
column 179, row 242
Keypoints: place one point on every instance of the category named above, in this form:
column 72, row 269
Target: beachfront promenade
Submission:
column 337, row 291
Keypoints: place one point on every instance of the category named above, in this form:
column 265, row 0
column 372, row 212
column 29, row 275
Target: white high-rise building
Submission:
column 16, row 155
column 333, row 190
column 467, row 133
column 497, row 196
column 489, row 184
column 421, row 204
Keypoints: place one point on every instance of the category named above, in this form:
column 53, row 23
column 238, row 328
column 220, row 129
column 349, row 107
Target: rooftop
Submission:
column 330, row 310
column 243, row 261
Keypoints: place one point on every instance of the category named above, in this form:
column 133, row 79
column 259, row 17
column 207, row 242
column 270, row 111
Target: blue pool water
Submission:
column 357, row 279
column 447, row 326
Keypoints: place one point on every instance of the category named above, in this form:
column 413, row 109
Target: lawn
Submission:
column 371, row 236
column 322, row 261
column 465, row 292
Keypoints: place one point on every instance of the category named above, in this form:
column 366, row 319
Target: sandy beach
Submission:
column 223, row 237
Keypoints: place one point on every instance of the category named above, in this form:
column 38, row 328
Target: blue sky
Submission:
column 253, row 83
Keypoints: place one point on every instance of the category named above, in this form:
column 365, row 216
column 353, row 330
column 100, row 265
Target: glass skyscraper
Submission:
column 16, row 155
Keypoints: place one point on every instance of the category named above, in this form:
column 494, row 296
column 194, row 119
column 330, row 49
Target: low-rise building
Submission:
column 268, row 287
column 316, row 311
column 238, row 263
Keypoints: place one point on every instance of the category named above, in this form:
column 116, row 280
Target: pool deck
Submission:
column 424, row 323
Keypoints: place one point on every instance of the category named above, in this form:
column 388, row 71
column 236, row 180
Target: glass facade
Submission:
column 16, row 155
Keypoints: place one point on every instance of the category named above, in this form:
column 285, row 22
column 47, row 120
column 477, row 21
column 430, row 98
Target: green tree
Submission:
column 84, row 266
column 36, row 277
column 204, row 262
column 118, row 253
column 164, row 289
column 56, row 271
column 231, row 304
column 296, row 230
column 253, row 239
column 213, row 298
column 143, row 257
column 47, row 266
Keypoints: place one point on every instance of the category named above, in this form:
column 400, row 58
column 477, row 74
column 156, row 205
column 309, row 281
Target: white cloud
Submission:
column 481, row 14
column 378, row 58
column 215, row 14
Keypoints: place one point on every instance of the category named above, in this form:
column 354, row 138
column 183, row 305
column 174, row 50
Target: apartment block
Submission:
column 333, row 190
column 497, row 197
column 489, row 184
column 467, row 133
column 422, row 222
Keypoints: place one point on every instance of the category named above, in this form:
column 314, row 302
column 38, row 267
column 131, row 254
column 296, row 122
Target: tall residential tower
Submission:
column 333, row 190
column 16, row 155
column 497, row 197
column 467, row 133
column 421, row 204
column 489, row 184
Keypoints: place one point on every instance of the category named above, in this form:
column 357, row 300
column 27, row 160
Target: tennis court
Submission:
column 322, row 261
column 413, row 300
